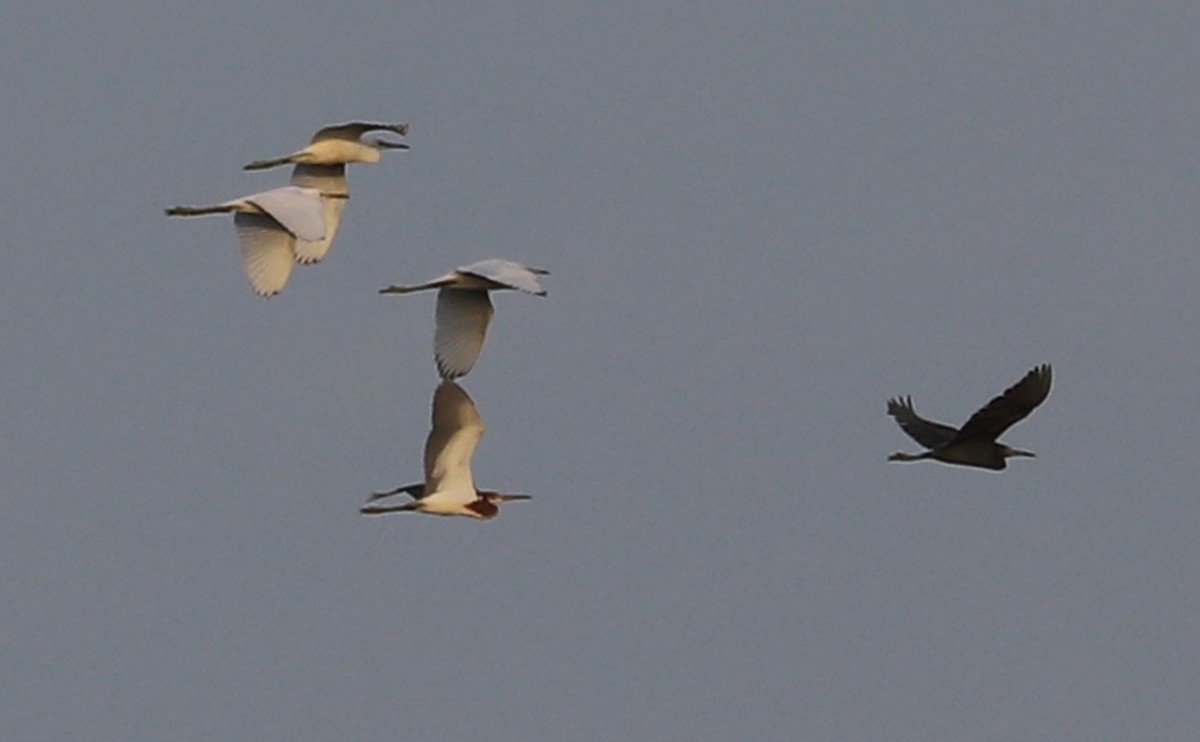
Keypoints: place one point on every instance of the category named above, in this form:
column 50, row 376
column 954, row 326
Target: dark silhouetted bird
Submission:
column 975, row 443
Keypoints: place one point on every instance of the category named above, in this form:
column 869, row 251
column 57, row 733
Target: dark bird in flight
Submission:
column 975, row 443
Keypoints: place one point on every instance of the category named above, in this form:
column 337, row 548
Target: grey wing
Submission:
column 298, row 210
column 1010, row 407
column 330, row 180
column 353, row 130
column 926, row 432
column 462, row 318
column 508, row 273
column 314, row 251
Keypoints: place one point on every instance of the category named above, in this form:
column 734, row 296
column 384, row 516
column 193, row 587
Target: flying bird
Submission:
column 464, row 308
column 322, row 165
column 449, row 488
column 269, row 225
column 975, row 443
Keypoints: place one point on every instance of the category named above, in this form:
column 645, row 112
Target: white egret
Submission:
column 268, row 226
column 975, row 443
column 449, row 487
column 464, row 308
column 322, row 165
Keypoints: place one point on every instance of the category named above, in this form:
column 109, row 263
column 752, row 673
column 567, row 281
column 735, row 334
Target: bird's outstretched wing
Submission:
column 926, row 432
column 456, row 430
column 267, row 254
column 298, row 210
column 462, row 319
column 509, row 274
column 330, row 180
column 1009, row 408
column 353, row 130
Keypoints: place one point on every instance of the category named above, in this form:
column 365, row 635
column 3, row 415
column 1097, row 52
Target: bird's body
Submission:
column 329, row 180
column 269, row 225
column 975, row 443
column 449, row 487
column 322, row 165
column 464, row 308
column 339, row 144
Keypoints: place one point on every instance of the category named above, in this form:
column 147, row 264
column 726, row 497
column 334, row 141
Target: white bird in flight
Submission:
column 464, row 308
column 268, row 225
column 449, row 487
column 322, row 165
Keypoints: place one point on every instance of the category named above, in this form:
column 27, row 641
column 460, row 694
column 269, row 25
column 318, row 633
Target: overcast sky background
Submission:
column 762, row 220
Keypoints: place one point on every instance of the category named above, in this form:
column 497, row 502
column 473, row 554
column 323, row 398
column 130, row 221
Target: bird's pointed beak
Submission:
column 385, row 144
column 506, row 498
column 1019, row 452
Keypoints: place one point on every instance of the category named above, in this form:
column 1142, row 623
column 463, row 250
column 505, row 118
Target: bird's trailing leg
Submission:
column 267, row 164
column 385, row 509
column 415, row 491
column 199, row 210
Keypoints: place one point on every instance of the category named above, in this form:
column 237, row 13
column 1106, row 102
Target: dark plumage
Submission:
column 975, row 443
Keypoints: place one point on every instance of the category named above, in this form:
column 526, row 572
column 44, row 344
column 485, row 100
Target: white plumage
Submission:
column 449, row 487
column 268, row 226
column 464, row 308
column 322, row 165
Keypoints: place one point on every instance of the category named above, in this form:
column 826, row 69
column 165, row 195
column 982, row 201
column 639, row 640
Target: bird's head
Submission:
column 381, row 143
column 488, row 504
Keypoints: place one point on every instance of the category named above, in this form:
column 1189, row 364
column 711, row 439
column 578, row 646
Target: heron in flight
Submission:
column 322, row 165
column 975, row 443
column 269, row 225
column 449, row 488
column 464, row 308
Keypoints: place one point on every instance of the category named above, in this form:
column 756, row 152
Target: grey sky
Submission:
column 762, row 220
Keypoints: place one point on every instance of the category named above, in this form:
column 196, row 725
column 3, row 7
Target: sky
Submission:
column 762, row 220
